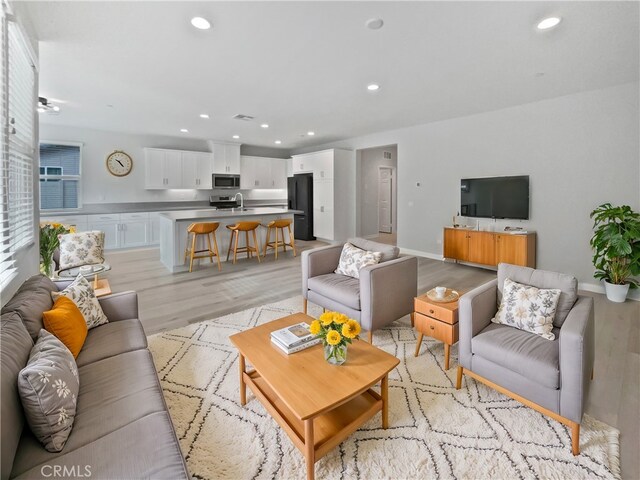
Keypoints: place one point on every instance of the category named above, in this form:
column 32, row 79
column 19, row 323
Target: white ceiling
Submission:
column 302, row 66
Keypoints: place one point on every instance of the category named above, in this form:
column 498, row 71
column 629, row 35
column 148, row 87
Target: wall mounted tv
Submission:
column 495, row 197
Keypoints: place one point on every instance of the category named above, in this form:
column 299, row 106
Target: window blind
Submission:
column 18, row 153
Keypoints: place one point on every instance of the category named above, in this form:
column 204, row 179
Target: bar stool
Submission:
column 207, row 229
column 245, row 227
column 279, row 225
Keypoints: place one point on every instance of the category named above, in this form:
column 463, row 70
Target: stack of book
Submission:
column 294, row 338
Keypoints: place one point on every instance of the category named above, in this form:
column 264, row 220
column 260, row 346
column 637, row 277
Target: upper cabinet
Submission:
column 263, row 172
column 226, row 158
column 166, row 169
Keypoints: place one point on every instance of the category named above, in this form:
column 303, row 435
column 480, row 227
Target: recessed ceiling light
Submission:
column 278, row 142
column 204, row 115
column 200, row 23
column 236, row 136
column 374, row 23
column 311, row 134
column 373, row 87
column 184, row 130
column 265, row 125
column 548, row 23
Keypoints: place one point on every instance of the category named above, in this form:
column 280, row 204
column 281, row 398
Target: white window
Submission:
column 60, row 175
column 17, row 106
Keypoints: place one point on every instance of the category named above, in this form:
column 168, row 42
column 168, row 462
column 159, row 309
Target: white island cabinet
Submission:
column 173, row 231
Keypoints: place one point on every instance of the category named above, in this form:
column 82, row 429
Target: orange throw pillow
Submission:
column 66, row 322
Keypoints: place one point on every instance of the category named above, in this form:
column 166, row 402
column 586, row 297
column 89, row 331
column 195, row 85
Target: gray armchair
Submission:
column 383, row 293
column 552, row 377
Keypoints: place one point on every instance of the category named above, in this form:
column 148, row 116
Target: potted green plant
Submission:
column 616, row 246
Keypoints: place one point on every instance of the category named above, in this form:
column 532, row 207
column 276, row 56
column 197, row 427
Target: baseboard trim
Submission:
column 597, row 288
column 418, row 253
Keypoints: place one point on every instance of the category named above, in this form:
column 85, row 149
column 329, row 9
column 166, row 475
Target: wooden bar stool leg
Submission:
column 284, row 242
column 193, row 248
column 186, row 249
column 215, row 249
column 246, row 242
column 292, row 241
column 230, row 243
column 235, row 247
column 209, row 245
column 267, row 242
column 276, row 243
column 255, row 239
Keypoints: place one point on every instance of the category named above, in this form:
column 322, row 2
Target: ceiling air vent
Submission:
column 246, row 118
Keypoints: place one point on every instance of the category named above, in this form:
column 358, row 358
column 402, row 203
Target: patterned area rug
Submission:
column 435, row 431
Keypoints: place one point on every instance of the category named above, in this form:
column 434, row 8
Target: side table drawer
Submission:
column 435, row 311
column 431, row 327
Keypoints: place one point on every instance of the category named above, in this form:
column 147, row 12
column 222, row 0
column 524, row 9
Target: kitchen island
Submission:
column 173, row 230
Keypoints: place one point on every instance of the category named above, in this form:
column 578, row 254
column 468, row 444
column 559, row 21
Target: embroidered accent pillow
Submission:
column 528, row 308
column 352, row 259
column 48, row 388
column 82, row 294
column 77, row 249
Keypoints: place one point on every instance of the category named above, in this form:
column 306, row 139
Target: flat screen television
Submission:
column 495, row 197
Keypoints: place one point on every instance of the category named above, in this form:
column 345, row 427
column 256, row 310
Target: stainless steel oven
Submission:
column 225, row 180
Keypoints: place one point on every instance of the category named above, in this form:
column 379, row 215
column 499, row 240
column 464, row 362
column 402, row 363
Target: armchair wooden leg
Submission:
column 370, row 337
column 575, row 438
column 459, row 378
column 413, row 318
column 304, row 305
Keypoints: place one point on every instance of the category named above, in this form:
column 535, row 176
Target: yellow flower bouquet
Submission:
column 337, row 331
column 49, row 233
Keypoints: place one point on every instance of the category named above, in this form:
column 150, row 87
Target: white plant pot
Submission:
column 616, row 293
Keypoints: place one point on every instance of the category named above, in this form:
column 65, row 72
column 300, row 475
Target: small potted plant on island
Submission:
column 616, row 245
column 337, row 331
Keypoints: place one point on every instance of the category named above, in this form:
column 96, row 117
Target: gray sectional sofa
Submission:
column 122, row 427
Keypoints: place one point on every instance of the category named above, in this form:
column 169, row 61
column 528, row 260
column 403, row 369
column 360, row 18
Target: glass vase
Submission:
column 46, row 266
column 335, row 354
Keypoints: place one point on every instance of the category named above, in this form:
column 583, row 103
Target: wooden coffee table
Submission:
column 318, row 405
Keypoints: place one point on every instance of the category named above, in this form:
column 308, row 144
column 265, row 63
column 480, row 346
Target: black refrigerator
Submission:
column 300, row 196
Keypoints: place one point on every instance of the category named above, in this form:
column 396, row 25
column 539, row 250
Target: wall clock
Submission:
column 119, row 163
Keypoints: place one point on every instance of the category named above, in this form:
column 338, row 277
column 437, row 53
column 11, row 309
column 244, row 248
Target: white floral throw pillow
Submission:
column 528, row 308
column 81, row 293
column 352, row 259
column 77, row 249
column 48, row 388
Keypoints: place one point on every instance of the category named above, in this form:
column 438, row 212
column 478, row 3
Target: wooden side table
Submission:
column 436, row 320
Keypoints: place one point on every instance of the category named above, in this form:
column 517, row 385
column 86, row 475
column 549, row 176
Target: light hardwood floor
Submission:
column 172, row 300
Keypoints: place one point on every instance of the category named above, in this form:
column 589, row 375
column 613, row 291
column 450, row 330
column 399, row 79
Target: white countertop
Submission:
column 177, row 216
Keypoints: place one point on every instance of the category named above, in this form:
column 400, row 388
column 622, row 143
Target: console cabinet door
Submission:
column 516, row 249
column 482, row 248
column 456, row 244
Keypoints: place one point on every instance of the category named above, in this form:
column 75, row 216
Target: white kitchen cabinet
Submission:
column 79, row 222
column 262, row 172
column 163, row 168
column 333, row 185
column 134, row 233
column 197, row 168
column 110, row 225
column 226, row 158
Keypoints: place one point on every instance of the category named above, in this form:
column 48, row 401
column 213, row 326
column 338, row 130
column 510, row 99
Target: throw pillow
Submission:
column 528, row 308
column 82, row 294
column 66, row 322
column 85, row 248
column 352, row 259
column 48, row 388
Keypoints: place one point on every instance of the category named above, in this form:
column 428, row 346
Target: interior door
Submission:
column 385, row 186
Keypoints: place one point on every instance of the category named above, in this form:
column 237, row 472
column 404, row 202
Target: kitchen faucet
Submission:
column 235, row 199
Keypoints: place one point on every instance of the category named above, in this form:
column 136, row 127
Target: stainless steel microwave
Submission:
column 225, row 180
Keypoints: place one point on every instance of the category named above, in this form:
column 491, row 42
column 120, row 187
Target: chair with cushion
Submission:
column 550, row 376
column 383, row 293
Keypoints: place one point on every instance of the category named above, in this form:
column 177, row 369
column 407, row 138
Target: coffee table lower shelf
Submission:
column 316, row 436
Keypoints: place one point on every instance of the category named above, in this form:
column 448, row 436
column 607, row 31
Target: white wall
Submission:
column 368, row 179
column 579, row 150
column 99, row 186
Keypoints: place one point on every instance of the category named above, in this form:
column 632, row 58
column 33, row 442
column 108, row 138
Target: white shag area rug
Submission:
column 435, row 430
